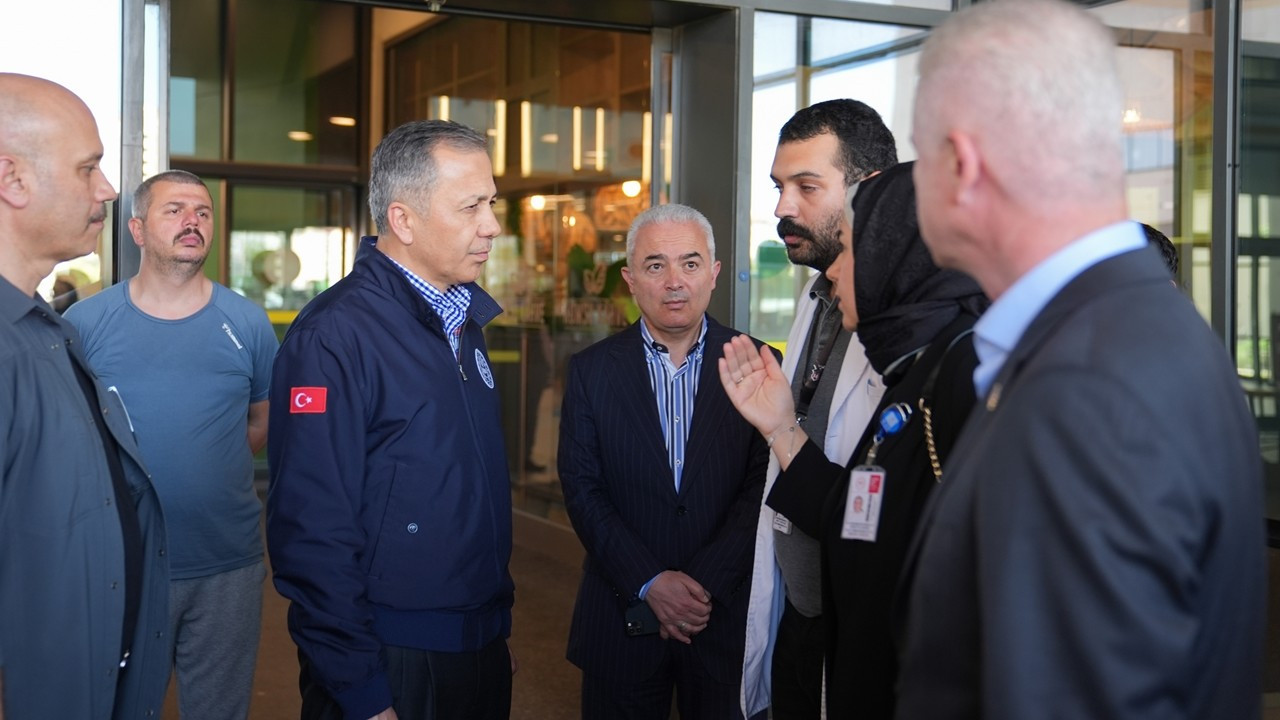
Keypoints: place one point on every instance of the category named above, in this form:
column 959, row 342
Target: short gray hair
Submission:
column 404, row 165
column 142, row 196
column 1037, row 77
column 670, row 213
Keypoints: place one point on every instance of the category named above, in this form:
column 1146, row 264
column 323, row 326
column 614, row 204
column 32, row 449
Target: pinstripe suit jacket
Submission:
column 621, row 497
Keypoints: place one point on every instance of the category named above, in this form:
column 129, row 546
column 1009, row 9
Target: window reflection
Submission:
column 572, row 138
column 287, row 245
column 871, row 62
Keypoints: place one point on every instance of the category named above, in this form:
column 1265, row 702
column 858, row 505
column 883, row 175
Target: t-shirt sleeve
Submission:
column 264, row 349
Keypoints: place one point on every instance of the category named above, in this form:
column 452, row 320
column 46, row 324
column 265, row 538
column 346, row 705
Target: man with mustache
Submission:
column 662, row 482
column 191, row 360
column 83, row 574
column 823, row 150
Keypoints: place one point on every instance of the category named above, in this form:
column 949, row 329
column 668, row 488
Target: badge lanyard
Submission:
column 866, row 482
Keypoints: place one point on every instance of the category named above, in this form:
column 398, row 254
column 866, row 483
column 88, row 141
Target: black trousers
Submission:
column 428, row 685
column 798, row 656
column 698, row 696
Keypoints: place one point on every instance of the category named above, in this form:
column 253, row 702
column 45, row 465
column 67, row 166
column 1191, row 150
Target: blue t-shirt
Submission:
column 187, row 385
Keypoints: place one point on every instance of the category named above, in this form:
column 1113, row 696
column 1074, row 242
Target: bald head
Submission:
column 52, row 191
column 1035, row 82
column 32, row 110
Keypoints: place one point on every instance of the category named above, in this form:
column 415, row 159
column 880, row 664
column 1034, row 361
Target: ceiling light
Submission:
column 342, row 121
column 300, row 135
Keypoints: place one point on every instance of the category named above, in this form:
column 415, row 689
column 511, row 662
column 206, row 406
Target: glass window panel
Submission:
column 1258, row 276
column 571, row 137
column 296, row 83
column 775, row 43
column 872, row 62
column 195, row 79
column 926, row 4
column 1261, row 21
column 288, row 244
column 1177, row 16
column 91, row 71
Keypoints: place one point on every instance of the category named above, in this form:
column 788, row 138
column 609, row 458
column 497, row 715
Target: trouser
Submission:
column 214, row 626
column 698, row 696
column 798, row 654
column 429, row 685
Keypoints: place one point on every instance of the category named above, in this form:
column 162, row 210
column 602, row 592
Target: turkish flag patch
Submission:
column 307, row 399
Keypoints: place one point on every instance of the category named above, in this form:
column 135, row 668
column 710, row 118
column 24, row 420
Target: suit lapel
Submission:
column 1114, row 273
column 633, row 392
column 709, row 407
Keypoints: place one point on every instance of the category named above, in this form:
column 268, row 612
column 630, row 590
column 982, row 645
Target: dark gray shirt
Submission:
column 799, row 556
column 62, row 552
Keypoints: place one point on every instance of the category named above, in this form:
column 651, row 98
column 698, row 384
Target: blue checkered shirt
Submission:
column 451, row 306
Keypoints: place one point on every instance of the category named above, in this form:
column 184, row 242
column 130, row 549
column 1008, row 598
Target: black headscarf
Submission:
column 903, row 299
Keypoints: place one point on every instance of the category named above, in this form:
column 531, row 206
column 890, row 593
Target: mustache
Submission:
column 676, row 297
column 787, row 226
column 100, row 216
column 185, row 233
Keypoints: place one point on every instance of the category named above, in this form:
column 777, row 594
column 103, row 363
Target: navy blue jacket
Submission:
column 389, row 511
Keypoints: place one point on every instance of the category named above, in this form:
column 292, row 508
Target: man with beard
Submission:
column 191, row 361
column 822, row 151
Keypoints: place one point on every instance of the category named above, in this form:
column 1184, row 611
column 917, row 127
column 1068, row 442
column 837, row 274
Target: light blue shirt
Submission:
column 674, row 389
column 1001, row 327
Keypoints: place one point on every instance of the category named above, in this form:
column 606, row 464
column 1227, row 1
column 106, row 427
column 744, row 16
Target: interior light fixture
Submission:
column 631, row 188
column 599, row 139
column 537, row 202
column 300, row 135
column 1132, row 116
column 342, row 121
column 499, row 137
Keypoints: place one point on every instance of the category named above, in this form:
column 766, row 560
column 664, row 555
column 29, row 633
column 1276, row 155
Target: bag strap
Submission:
column 926, row 402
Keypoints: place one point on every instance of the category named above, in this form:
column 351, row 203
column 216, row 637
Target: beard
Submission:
column 819, row 246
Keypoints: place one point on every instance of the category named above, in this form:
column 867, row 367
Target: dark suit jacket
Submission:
column 1096, row 548
column 621, row 497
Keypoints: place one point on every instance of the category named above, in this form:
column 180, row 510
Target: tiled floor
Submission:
column 545, row 688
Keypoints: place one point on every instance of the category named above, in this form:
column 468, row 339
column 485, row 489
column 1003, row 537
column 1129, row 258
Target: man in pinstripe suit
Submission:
column 662, row 480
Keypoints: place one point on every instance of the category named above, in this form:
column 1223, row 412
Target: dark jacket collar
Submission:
column 383, row 273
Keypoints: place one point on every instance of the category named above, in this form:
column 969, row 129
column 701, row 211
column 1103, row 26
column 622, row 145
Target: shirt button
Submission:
column 412, row 528
column 680, row 511
column 677, row 418
column 114, row 584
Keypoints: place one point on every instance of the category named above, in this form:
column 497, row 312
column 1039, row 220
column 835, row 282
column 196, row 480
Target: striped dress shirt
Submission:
column 674, row 389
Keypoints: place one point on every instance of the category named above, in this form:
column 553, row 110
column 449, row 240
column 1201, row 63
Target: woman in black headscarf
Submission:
column 915, row 320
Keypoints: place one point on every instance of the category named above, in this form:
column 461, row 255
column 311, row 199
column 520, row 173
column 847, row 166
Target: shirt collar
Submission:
column 456, row 296
column 1000, row 328
column 821, row 289
column 14, row 305
column 653, row 346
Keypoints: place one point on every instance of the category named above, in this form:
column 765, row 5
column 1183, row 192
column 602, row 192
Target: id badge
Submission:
column 781, row 524
column 862, row 506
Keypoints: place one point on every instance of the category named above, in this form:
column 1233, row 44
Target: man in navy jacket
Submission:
column 389, row 513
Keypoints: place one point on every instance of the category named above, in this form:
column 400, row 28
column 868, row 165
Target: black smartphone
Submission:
column 640, row 619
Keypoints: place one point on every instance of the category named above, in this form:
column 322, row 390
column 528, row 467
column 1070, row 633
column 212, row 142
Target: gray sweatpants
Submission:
column 214, row 625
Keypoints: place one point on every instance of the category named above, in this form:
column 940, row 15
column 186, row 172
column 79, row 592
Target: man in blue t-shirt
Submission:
column 191, row 361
